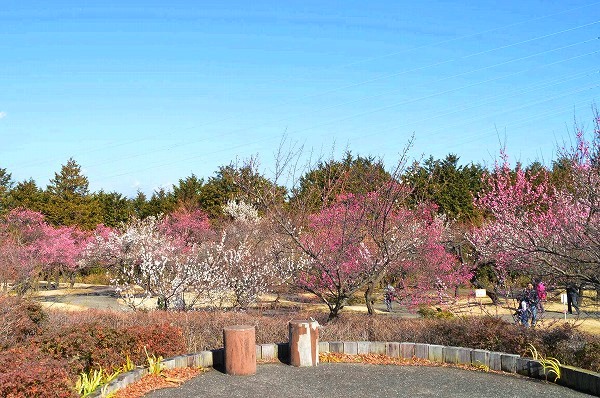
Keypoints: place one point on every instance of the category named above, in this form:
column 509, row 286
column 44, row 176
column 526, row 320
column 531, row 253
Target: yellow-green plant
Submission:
column 155, row 365
column 549, row 364
column 128, row 366
column 107, row 378
column 87, row 383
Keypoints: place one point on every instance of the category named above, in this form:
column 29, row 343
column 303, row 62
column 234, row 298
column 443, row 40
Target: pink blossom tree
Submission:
column 17, row 268
column 347, row 229
column 190, row 226
column 60, row 251
column 35, row 248
column 361, row 239
column 541, row 229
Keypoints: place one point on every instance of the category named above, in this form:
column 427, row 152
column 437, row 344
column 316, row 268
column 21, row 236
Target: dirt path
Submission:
column 84, row 296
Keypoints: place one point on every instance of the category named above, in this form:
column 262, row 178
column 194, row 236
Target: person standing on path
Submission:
column 540, row 288
column 389, row 294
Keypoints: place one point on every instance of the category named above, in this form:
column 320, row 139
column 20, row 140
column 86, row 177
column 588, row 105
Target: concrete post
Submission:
column 240, row 350
column 304, row 343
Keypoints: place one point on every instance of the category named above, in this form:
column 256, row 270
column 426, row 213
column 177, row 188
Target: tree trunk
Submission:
column 72, row 280
column 335, row 310
column 369, row 298
column 57, row 280
column 162, row 303
column 493, row 296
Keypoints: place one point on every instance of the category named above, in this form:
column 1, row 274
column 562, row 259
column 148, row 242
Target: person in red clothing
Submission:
column 540, row 288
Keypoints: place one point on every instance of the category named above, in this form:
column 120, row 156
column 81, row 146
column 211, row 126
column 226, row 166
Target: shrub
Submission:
column 159, row 340
column 27, row 372
column 21, row 319
column 87, row 346
column 195, row 331
column 434, row 313
column 572, row 347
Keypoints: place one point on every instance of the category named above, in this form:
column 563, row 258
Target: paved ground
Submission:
column 358, row 380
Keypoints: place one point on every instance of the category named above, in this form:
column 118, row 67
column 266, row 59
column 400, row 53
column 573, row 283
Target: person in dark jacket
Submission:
column 530, row 301
column 389, row 295
column 572, row 298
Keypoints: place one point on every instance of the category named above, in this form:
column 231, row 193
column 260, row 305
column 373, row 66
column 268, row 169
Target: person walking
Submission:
column 572, row 298
column 530, row 302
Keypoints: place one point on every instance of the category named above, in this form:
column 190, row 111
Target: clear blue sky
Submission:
column 143, row 93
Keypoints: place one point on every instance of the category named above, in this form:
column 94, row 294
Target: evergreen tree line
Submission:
column 68, row 201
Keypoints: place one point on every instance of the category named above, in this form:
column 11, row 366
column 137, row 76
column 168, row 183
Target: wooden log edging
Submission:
column 575, row 378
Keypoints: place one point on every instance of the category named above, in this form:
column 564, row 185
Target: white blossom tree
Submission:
column 247, row 257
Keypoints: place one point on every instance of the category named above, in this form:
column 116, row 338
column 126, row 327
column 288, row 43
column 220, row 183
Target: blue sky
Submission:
column 143, row 93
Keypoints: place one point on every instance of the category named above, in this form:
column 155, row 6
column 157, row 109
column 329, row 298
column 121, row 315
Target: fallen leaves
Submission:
column 169, row 378
column 382, row 359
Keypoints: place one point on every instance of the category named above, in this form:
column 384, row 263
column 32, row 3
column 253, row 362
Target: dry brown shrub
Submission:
column 21, row 319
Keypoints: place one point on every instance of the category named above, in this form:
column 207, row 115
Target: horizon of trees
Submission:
column 67, row 200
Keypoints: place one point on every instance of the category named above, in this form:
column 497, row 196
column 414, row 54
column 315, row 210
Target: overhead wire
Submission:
column 367, row 81
column 324, row 92
column 275, row 137
column 412, row 100
column 491, row 99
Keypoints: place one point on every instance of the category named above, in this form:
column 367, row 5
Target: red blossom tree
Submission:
column 191, row 227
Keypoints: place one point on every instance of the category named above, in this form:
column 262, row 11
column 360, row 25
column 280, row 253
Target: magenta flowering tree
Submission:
column 35, row 249
column 360, row 240
column 17, row 265
column 21, row 232
column 333, row 253
column 541, row 229
column 189, row 226
column 346, row 229
column 60, row 251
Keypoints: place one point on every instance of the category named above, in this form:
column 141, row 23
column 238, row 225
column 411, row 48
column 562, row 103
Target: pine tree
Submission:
column 69, row 199
column 5, row 187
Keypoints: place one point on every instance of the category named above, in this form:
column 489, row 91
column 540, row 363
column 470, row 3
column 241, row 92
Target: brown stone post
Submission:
column 304, row 343
column 240, row 350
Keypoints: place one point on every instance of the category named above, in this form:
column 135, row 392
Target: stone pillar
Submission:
column 240, row 350
column 304, row 343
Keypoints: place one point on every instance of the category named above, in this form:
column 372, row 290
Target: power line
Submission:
column 231, row 132
column 491, row 99
column 324, row 92
column 279, row 136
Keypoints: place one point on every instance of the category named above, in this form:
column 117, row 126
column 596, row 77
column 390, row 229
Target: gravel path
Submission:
column 359, row 380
